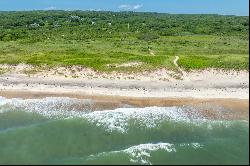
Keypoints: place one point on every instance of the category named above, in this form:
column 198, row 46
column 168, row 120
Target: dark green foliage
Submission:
column 82, row 25
column 148, row 37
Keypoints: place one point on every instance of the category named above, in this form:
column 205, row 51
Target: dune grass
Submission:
column 235, row 61
column 195, row 52
column 3, row 70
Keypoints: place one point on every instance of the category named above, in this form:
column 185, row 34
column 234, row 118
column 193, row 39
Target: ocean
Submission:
column 68, row 131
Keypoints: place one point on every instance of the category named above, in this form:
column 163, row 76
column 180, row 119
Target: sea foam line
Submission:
column 112, row 120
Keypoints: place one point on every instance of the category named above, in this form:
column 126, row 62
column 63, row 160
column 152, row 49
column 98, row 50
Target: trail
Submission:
column 183, row 73
column 151, row 52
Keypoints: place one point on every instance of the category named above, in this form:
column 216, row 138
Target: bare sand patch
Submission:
column 129, row 64
column 19, row 68
column 87, row 73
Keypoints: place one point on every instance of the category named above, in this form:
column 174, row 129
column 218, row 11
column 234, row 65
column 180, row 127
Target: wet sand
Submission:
column 226, row 109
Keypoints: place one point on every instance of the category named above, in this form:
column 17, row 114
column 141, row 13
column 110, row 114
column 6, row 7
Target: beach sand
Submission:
column 161, row 83
column 203, row 89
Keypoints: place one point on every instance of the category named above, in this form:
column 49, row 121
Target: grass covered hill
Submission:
column 101, row 40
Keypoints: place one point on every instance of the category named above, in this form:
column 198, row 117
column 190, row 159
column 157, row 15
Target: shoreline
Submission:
column 213, row 109
column 146, row 101
column 215, row 94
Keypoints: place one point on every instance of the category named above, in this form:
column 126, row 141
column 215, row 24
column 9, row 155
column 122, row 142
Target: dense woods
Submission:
column 82, row 25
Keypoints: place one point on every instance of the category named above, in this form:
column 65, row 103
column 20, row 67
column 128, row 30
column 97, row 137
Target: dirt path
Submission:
column 151, row 52
column 183, row 73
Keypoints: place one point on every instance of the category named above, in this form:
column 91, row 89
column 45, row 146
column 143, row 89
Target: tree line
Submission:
column 84, row 25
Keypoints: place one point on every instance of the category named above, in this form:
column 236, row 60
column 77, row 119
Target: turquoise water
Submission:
column 66, row 131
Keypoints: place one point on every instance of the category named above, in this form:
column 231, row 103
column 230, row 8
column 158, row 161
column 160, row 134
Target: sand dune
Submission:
column 200, row 84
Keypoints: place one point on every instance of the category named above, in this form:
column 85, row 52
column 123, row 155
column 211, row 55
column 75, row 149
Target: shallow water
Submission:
column 67, row 131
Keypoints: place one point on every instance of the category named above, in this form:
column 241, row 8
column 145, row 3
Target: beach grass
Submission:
column 195, row 52
column 2, row 71
column 226, row 62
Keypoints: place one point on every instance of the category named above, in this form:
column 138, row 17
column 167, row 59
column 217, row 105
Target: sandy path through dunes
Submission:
column 183, row 73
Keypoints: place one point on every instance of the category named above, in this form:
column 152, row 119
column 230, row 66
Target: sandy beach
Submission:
column 206, row 84
column 205, row 89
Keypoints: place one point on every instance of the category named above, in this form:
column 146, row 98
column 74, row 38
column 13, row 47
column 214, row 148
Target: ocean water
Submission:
column 68, row 131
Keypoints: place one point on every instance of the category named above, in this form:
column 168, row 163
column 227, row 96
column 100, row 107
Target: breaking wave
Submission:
column 117, row 119
column 68, row 131
column 140, row 154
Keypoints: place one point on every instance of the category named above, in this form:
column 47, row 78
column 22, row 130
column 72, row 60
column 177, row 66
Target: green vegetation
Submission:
column 2, row 70
column 102, row 39
column 238, row 62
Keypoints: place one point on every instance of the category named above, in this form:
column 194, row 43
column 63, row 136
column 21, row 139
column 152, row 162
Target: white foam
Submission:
column 2, row 101
column 148, row 117
column 140, row 154
column 49, row 107
column 112, row 120
column 194, row 145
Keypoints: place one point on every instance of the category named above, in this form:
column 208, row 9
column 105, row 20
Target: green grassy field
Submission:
column 195, row 52
column 62, row 48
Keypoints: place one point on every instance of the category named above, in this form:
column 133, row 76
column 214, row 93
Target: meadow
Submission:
column 70, row 38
